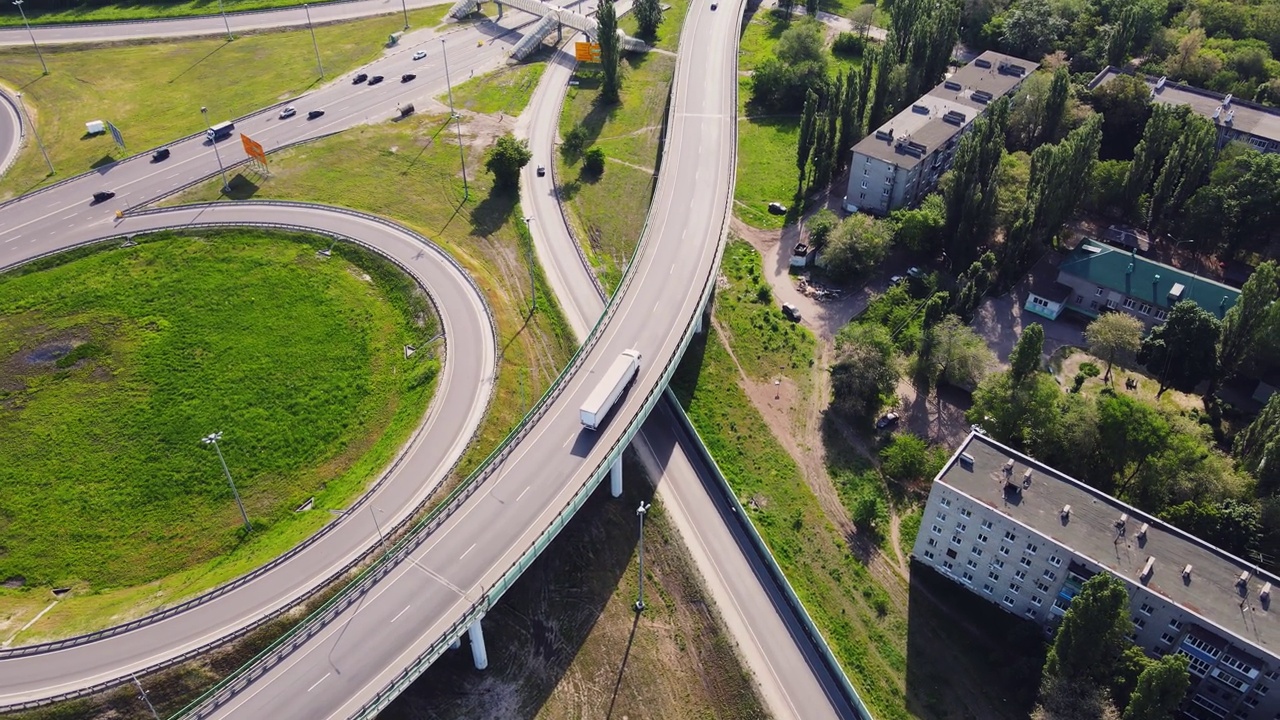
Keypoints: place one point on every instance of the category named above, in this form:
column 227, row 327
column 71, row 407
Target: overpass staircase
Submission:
column 553, row 18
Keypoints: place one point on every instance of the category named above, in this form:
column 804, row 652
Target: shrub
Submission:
column 593, row 161
column 574, row 142
column 1089, row 369
column 849, row 44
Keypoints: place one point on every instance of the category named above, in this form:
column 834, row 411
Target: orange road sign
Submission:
column 253, row 149
column 586, row 51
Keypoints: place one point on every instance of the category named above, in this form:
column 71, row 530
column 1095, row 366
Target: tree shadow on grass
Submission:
column 493, row 212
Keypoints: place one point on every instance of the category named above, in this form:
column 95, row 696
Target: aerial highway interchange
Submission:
column 464, row 562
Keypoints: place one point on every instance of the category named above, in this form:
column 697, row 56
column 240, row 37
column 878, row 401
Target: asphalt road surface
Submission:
column 10, row 131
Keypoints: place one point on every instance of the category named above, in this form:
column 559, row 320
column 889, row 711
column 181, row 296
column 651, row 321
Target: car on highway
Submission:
column 542, row 171
column 102, row 196
column 888, row 420
column 777, row 208
column 420, row 54
column 375, row 79
column 160, row 155
column 314, row 114
column 288, row 112
column 407, row 77
column 359, row 78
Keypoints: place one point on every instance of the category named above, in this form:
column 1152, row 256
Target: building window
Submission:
column 992, row 574
column 986, row 524
column 886, row 192
column 986, row 588
column 1024, row 561
column 1197, row 666
column 967, row 577
column 945, row 502
column 1021, row 574
column 866, row 171
column 1203, row 646
column 1014, row 588
column 977, row 551
column 1111, row 304
column 1037, row 300
column 1050, row 575
column 961, row 527
column 1146, row 609
column 1262, row 689
column 1032, row 548
column 1240, row 667
column 1042, row 587
column 1272, row 675
column 947, row 564
column 1055, row 561
column 1079, row 299
column 971, row 564
column 997, row 563
column 1251, row 701
column 1093, row 305
column 1099, row 292
column 1161, row 315
column 982, row 538
column 1129, row 303
column 1035, row 600
column 1145, row 309
column 1140, row 622
column 933, row 542
column 964, row 513
column 955, row 539
column 1008, row 601
column 1010, row 536
column 1168, row 638
column 1175, row 624
column 937, row 530
column 864, row 184
column 1031, row 613
column 862, row 196
column 1004, row 549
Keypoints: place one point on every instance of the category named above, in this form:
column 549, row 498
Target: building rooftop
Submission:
column 1147, row 280
column 1092, row 529
column 939, row 115
column 1248, row 116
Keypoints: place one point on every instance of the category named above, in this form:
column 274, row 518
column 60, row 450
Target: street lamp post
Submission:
column 32, row 34
column 143, row 694
column 533, row 280
column 223, row 10
column 226, row 187
column 644, row 508
column 212, row 439
column 34, row 131
column 405, row 8
column 377, row 524
column 314, row 44
column 457, row 120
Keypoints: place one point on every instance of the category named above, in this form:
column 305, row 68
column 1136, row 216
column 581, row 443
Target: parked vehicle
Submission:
column 888, row 420
column 915, row 273
column 777, row 208
column 407, row 77
column 542, row 171
column 375, row 79
column 314, row 114
column 102, row 196
column 288, row 112
column 160, row 155
column 221, row 131
column 359, row 78
column 612, row 383
column 791, row 311
column 420, row 54
column 406, row 110
column 896, row 280
column 713, row 6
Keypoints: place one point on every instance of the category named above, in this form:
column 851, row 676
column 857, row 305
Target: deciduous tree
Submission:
column 1182, row 352
column 1093, row 632
column 507, row 156
column 864, row 373
column 858, row 245
column 1244, row 323
column 610, row 51
column 648, row 17
column 1160, row 689
column 1258, row 446
column 1025, row 359
column 970, row 195
column 1114, row 335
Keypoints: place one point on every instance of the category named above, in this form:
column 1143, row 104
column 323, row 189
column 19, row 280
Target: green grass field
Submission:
column 143, row 10
column 506, row 90
column 764, row 341
column 297, row 359
column 766, row 168
column 608, row 212
column 153, row 92
column 418, row 158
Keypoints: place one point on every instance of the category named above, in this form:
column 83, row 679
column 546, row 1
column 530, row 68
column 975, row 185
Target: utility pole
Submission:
column 226, row 187
column 644, row 508
column 314, row 44
column 406, row 14
column 462, row 153
column 33, row 35
column 533, row 280
column 212, row 439
column 35, row 132
column 143, row 694
column 223, row 10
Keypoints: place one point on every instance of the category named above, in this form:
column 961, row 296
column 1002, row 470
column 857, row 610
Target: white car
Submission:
column 420, row 54
column 288, row 112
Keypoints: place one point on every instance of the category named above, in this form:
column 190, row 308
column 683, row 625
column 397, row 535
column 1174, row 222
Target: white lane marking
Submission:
column 397, row 617
column 672, row 270
column 572, row 435
column 522, row 492
column 313, row 687
column 464, row 552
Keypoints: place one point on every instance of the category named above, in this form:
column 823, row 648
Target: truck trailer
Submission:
column 615, row 380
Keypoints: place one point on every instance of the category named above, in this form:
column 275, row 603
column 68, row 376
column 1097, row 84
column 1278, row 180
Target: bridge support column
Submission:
column 615, row 478
column 457, row 643
column 499, row 9
column 697, row 324
column 476, row 635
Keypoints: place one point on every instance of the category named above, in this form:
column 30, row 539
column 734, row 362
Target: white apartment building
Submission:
column 902, row 160
column 1026, row 537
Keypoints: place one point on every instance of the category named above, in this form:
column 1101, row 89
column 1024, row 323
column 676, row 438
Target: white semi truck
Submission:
column 612, row 383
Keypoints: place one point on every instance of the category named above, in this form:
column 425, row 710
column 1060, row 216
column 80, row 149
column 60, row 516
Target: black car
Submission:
column 888, row 420
column 407, row 77
column 102, row 196
column 777, row 208
column 375, row 79
column 542, row 171
column 359, row 78
column 160, row 155
column 314, row 114
column 713, row 6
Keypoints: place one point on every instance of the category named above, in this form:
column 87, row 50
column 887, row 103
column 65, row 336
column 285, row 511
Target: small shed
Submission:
column 95, row 127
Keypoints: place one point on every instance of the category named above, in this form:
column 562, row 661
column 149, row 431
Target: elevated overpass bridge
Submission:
column 553, row 18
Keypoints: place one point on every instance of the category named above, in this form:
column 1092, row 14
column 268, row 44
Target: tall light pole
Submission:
column 35, row 132
column 33, row 35
column 212, row 439
column 644, row 508
column 457, row 119
column 406, row 14
column 226, row 187
column 314, row 44
column 223, row 10
column 533, row 280
column 143, row 694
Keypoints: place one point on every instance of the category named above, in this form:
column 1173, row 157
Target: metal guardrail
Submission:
column 775, row 571
column 6, row 163
column 175, row 18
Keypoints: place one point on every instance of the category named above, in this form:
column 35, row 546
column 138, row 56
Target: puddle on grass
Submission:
column 49, row 352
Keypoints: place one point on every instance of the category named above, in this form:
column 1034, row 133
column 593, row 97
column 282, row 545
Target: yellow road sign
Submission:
column 253, row 149
column 586, row 51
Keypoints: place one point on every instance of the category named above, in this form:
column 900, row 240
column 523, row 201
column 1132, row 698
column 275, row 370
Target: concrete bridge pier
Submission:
column 476, row 635
column 499, row 17
column 615, row 478
column 457, row 643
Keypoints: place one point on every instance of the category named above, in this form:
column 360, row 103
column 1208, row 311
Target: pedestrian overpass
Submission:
column 553, row 18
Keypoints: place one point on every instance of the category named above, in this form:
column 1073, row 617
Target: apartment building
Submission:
column 1236, row 119
column 1095, row 278
column 1026, row 537
column 901, row 161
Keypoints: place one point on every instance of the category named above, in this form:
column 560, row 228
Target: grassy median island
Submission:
column 115, row 362
column 153, row 91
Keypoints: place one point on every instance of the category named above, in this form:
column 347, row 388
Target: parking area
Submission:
column 1000, row 320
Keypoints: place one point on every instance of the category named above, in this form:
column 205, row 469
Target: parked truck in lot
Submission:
column 612, row 383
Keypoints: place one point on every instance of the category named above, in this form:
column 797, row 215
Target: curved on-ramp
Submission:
column 11, row 130
column 465, row 386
